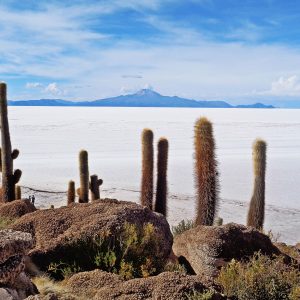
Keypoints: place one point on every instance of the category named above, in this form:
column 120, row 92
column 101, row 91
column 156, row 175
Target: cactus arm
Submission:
column 15, row 153
column 94, row 186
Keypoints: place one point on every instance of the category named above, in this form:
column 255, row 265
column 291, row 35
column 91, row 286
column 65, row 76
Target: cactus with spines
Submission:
column 161, row 183
column 71, row 192
column 256, row 212
column 9, row 177
column 147, row 168
column 18, row 192
column 206, row 175
column 94, row 187
column 219, row 221
column 83, row 191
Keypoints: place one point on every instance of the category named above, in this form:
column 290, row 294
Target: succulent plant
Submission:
column 256, row 212
column 161, row 183
column 206, row 175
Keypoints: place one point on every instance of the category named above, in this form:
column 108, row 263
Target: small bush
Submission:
column 5, row 222
column 47, row 286
column 260, row 278
column 183, row 226
column 207, row 295
column 130, row 254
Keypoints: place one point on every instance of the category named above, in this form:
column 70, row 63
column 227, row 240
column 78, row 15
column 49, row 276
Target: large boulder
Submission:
column 65, row 234
column 16, row 209
column 99, row 285
column 13, row 246
column 205, row 249
column 15, row 285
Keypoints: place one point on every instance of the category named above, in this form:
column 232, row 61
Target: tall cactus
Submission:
column 206, row 175
column 147, row 168
column 94, row 187
column 84, row 177
column 9, row 177
column 71, row 192
column 161, row 184
column 256, row 213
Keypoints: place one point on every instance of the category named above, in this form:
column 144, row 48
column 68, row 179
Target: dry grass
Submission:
column 48, row 286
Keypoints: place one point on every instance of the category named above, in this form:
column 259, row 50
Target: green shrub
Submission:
column 183, row 226
column 5, row 222
column 260, row 278
column 131, row 254
column 207, row 295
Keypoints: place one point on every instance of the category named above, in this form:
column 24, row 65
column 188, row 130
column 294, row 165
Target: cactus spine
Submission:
column 9, row 177
column 18, row 192
column 84, row 177
column 94, row 186
column 206, row 176
column 147, row 168
column 161, row 184
column 256, row 211
column 71, row 192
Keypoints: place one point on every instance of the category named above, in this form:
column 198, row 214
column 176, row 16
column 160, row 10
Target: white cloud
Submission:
column 57, row 45
column 53, row 89
column 33, row 85
column 284, row 86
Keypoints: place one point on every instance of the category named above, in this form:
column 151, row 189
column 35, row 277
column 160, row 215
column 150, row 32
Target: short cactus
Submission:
column 94, row 187
column 9, row 177
column 218, row 221
column 206, row 175
column 256, row 211
column 147, row 168
column 71, row 192
column 18, row 192
column 161, row 185
column 84, row 177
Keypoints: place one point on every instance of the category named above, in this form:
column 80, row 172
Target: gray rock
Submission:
column 58, row 231
column 205, row 249
column 13, row 246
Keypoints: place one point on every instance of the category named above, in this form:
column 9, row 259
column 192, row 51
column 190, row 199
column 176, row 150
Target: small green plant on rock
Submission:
column 260, row 278
column 182, row 226
column 130, row 254
column 5, row 222
column 207, row 295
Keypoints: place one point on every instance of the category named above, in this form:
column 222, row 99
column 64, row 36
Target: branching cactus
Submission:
column 9, row 177
column 206, row 175
column 147, row 168
column 256, row 213
column 161, row 184
column 84, row 177
column 71, row 192
column 94, row 187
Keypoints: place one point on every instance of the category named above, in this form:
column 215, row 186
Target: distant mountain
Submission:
column 256, row 105
column 143, row 98
column 42, row 102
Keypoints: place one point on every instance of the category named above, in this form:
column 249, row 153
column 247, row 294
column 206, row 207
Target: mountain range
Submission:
column 143, row 98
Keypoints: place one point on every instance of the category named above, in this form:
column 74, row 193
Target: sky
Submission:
column 239, row 51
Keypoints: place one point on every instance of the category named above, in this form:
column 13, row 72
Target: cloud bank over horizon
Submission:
column 206, row 49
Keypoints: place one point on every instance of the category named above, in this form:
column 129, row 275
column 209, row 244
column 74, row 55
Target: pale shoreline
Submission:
column 283, row 222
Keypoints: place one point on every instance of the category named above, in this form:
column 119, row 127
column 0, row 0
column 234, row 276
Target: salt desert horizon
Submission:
column 50, row 139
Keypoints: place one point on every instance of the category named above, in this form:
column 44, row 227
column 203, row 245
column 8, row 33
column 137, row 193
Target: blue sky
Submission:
column 240, row 51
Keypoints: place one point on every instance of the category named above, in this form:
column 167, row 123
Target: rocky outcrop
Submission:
column 205, row 249
column 59, row 231
column 99, row 285
column 16, row 209
column 15, row 285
